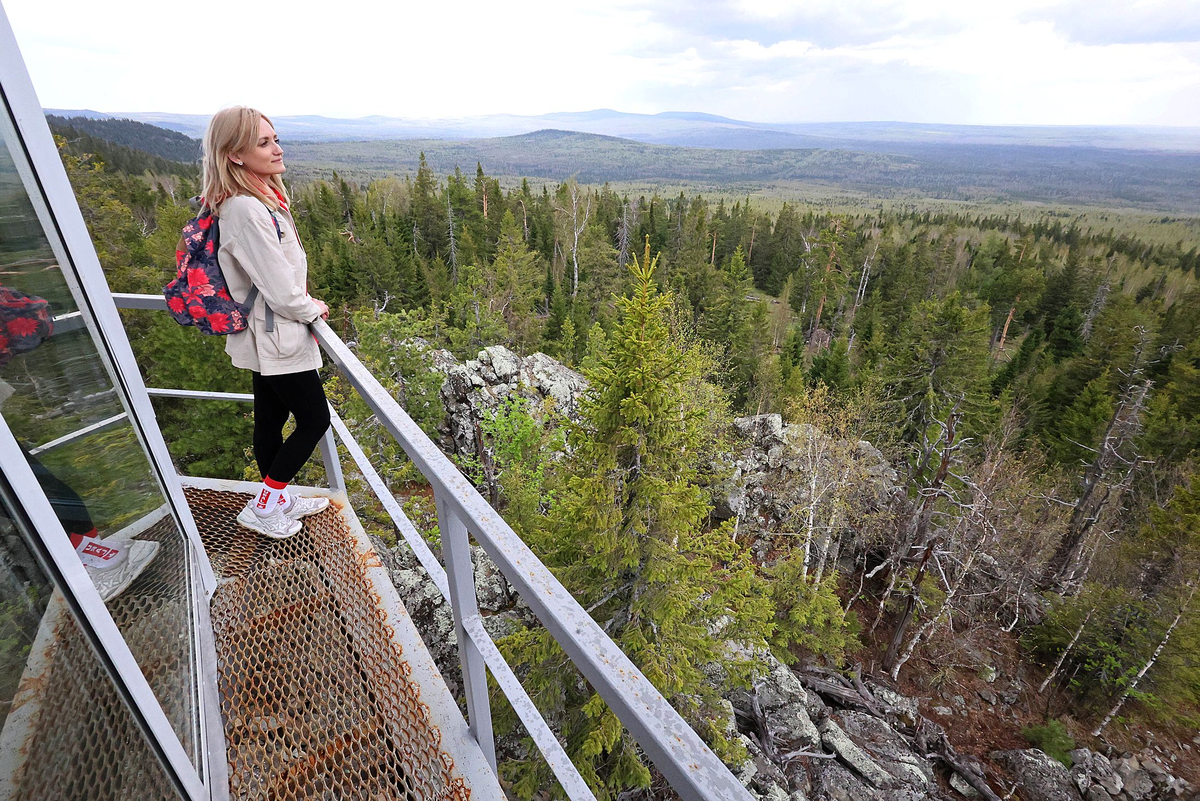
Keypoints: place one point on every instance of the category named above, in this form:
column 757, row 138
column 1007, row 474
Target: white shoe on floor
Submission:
column 276, row 525
column 303, row 507
column 111, row 582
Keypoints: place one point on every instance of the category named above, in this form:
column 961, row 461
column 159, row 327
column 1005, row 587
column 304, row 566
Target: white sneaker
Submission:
column 303, row 507
column 112, row 581
column 276, row 525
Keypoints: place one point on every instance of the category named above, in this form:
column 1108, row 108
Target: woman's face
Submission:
column 266, row 157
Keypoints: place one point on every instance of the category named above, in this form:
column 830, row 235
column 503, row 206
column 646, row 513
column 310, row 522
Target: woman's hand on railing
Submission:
column 323, row 307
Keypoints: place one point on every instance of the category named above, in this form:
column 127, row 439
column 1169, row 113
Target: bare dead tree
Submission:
column 1183, row 608
column 1066, row 651
column 578, row 226
column 1110, row 474
column 453, row 242
column 922, row 538
column 625, row 233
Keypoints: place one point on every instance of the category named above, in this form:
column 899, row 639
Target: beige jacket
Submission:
column 252, row 254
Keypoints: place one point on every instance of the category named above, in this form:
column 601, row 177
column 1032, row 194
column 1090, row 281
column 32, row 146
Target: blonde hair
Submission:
column 235, row 130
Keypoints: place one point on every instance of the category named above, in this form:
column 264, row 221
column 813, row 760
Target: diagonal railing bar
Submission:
column 688, row 765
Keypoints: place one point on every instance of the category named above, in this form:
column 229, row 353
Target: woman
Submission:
column 259, row 247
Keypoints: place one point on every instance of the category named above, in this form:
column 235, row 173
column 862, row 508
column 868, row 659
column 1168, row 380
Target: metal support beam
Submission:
column 460, row 572
column 333, row 462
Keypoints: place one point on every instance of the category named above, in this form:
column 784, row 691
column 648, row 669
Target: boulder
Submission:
column 888, row 749
column 1040, row 777
column 837, row 741
column 475, row 389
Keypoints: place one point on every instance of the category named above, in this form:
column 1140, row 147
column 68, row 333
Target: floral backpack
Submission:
column 24, row 323
column 199, row 295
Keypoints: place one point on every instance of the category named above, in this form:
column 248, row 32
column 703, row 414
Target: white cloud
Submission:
column 1020, row 61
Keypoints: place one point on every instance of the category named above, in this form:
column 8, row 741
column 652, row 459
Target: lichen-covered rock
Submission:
column 1092, row 769
column 887, row 749
column 771, row 467
column 837, row 741
column 1040, row 777
column 475, row 389
column 491, row 588
column 781, row 698
column 837, row 783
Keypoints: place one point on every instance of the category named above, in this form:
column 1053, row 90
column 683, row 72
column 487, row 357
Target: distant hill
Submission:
column 960, row 172
column 697, row 129
column 117, row 156
column 151, row 139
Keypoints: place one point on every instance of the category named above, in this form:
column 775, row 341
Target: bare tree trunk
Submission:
column 1123, row 428
column 1007, row 323
column 1149, row 663
column 947, row 607
column 890, row 662
column 750, row 255
column 920, row 534
column 524, row 218
column 453, row 243
column 1063, row 656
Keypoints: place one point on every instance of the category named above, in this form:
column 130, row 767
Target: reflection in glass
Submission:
column 59, row 400
column 64, row 730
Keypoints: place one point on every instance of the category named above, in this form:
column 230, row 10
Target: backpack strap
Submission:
column 253, row 294
column 270, row 313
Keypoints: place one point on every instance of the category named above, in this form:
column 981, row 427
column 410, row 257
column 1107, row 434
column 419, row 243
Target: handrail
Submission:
column 688, row 765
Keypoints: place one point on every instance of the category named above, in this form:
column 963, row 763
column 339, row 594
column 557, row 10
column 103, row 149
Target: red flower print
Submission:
column 204, row 222
column 223, row 295
column 197, row 311
column 208, row 246
column 3, row 342
column 196, row 277
column 22, row 327
column 219, row 322
column 176, row 305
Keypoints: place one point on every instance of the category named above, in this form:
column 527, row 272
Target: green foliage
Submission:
column 628, row 538
column 1053, row 738
column 808, row 615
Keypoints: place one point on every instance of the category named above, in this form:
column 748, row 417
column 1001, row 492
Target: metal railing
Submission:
column 688, row 765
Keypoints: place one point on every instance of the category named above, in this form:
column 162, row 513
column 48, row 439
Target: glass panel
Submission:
column 58, row 398
column 64, row 730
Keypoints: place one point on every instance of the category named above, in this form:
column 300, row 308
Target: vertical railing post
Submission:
column 333, row 464
column 460, row 574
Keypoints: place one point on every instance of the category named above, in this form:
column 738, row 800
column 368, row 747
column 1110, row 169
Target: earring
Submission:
column 238, row 163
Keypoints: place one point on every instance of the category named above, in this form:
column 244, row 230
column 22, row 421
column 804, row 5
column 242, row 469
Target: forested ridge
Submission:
column 1035, row 384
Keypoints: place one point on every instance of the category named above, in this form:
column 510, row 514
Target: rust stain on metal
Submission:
column 317, row 696
column 71, row 703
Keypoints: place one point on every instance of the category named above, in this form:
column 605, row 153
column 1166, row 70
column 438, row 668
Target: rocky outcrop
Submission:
column 773, row 457
column 1093, row 777
column 1038, row 776
column 476, row 388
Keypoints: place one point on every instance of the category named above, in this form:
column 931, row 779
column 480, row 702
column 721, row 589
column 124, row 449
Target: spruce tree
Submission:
column 628, row 537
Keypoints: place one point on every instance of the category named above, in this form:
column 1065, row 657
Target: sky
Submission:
column 1024, row 62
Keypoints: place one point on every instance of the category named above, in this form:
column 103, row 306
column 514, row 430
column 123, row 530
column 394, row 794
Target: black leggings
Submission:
column 275, row 396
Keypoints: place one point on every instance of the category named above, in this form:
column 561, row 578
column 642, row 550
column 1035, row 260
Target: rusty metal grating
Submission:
column 77, row 738
column 316, row 695
column 154, row 616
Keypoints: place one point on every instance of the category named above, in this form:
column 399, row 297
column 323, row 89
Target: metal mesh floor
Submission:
column 82, row 742
column 316, row 696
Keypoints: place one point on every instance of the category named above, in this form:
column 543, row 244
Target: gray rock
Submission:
column 1040, row 777
column 837, row 783
column 1138, row 784
column 960, row 786
column 906, row 709
column 505, row 363
column 1091, row 769
column 887, row 749
column 491, row 588
column 781, row 699
column 837, row 741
